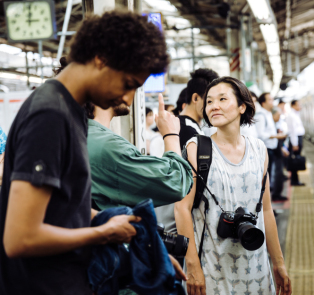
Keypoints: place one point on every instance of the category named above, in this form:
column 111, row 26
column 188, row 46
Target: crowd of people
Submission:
column 64, row 168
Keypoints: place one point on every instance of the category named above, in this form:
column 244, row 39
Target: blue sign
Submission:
column 155, row 83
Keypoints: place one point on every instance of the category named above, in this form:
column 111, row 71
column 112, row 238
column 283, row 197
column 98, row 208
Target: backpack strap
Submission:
column 204, row 161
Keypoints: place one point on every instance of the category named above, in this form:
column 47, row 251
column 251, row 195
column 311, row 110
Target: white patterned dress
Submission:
column 227, row 266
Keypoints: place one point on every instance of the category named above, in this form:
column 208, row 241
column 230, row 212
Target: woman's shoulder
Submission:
column 256, row 143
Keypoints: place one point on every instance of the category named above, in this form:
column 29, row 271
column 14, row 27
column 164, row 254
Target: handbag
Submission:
column 296, row 163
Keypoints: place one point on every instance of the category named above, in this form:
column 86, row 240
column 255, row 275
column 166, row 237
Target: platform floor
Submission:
column 296, row 229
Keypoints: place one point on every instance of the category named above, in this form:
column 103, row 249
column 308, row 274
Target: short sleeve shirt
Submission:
column 47, row 145
column 189, row 129
column 3, row 140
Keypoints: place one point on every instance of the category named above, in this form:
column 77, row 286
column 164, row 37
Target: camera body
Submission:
column 241, row 224
column 177, row 245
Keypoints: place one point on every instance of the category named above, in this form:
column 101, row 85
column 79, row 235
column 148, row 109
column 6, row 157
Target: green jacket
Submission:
column 122, row 176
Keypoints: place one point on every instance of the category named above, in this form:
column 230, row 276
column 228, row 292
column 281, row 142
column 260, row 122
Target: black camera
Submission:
column 176, row 245
column 241, row 225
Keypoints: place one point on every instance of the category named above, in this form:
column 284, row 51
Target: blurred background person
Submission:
column 169, row 107
column 3, row 140
column 154, row 141
column 282, row 124
column 250, row 130
column 296, row 132
column 192, row 115
column 181, row 103
column 278, row 176
column 267, row 132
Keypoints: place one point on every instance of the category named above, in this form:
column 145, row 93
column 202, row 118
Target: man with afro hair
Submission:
column 45, row 201
column 192, row 115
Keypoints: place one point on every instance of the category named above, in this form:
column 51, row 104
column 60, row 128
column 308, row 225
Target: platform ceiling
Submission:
column 209, row 13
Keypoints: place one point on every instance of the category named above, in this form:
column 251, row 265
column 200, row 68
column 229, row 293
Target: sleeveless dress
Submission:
column 228, row 267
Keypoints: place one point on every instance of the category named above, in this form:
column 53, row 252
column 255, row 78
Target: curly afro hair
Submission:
column 200, row 80
column 126, row 41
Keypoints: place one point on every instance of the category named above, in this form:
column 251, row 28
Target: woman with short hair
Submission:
column 239, row 164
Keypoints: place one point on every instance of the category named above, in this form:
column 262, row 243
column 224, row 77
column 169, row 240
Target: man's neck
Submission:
column 103, row 117
column 265, row 108
column 73, row 78
column 189, row 111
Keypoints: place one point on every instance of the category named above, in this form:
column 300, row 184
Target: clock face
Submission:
column 29, row 20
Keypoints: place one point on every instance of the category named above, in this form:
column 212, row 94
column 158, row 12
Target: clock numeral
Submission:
column 42, row 11
column 35, row 7
column 44, row 27
column 13, row 22
column 17, row 29
column 17, row 15
column 24, row 33
column 31, row 34
column 38, row 32
column 46, row 19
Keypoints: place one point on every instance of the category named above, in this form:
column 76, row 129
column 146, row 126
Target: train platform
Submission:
column 295, row 221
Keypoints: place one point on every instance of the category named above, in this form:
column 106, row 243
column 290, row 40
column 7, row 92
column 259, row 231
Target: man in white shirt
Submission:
column 267, row 132
column 296, row 132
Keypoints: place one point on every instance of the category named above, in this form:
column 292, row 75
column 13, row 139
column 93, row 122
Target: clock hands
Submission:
column 29, row 21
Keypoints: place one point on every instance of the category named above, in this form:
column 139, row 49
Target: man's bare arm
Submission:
column 25, row 233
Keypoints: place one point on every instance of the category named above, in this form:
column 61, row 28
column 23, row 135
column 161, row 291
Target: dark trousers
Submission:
column 294, row 173
column 275, row 166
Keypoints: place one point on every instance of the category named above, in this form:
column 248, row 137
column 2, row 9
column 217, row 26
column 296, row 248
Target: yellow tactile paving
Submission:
column 300, row 238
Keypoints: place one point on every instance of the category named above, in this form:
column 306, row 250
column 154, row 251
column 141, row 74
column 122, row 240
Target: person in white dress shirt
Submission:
column 296, row 132
column 250, row 130
column 267, row 132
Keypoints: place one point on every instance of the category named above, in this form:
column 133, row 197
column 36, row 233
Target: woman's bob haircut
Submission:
column 242, row 94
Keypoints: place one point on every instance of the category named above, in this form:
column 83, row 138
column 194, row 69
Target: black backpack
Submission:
column 204, row 160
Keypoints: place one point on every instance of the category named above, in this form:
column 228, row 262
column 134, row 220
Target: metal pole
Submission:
column 253, row 69
column 260, row 71
column 228, row 35
column 65, row 28
column 40, row 50
column 243, row 46
column 27, row 69
column 193, row 49
column 296, row 49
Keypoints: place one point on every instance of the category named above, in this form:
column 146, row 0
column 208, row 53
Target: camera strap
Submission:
column 260, row 204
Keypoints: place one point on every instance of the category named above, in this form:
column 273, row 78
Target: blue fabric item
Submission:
column 144, row 268
column 3, row 140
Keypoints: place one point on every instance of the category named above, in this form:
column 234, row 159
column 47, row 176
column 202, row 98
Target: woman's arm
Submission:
column 184, row 222
column 283, row 282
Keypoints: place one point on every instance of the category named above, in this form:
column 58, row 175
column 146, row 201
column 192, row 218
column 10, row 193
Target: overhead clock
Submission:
column 30, row 20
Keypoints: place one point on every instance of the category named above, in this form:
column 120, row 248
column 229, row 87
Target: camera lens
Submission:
column 251, row 237
column 177, row 245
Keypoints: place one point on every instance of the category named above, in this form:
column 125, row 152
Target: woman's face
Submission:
column 222, row 106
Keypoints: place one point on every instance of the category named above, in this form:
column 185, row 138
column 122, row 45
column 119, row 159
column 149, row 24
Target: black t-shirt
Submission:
column 189, row 129
column 47, row 146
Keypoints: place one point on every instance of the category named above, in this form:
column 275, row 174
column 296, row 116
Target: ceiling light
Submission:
column 275, row 59
column 260, row 9
column 269, row 32
column 273, row 48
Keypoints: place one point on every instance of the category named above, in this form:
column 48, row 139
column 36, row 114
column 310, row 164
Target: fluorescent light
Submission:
column 10, row 49
column 275, row 67
column 260, row 9
column 269, row 32
column 162, row 5
column 273, row 48
column 275, row 59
